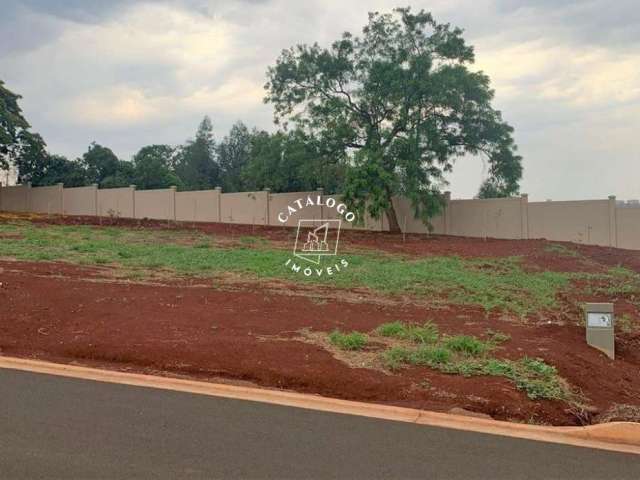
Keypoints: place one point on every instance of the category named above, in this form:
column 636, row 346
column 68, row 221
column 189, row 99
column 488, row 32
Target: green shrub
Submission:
column 348, row 341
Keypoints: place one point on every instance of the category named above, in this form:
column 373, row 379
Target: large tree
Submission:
column 15, row 136
column 401, row 104
column 196, row 164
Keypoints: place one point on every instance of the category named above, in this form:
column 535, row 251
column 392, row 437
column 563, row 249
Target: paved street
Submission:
column 54, row 427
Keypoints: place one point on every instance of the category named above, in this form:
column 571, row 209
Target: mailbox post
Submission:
column 600, row 322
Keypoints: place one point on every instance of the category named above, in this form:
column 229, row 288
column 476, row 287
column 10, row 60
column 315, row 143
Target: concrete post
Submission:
column 613, row 223
column 27, row 198
column 133, row 200
column 172, row 214
column 321, row 193
column 447, row 213
column 60, row 186
column 95, row 197
column 524, row 216
column 219, row 191
column 268, row 195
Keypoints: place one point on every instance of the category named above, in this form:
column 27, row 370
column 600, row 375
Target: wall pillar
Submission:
column 133, row 200
column 219, row 193
column 447, row 213
column 172, row 214
column 95, row 197
column 27, row 197
column 613, row 223
column 268, row 195
column 321, row 194
column 524, row 216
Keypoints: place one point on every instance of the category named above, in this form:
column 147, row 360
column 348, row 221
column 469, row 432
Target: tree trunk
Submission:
column 394, row 226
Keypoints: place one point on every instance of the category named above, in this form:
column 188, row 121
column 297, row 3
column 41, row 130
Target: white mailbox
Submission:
column 600, row 327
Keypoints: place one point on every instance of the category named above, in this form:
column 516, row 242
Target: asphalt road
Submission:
column 54, row 427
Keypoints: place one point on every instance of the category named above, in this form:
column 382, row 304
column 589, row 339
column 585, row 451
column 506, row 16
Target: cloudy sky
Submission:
column 131, row 73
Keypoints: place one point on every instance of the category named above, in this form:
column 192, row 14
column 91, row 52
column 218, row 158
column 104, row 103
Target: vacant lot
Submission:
column 491, row 326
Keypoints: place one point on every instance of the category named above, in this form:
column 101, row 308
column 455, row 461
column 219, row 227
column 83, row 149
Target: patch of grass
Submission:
column 394, row 357
column 469, row 356
column 430, row 355
column 499, row 283
column 467, row 345
column 426, row 333
column 348, row 341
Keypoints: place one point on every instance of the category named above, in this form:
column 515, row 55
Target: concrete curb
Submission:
column 615, row 436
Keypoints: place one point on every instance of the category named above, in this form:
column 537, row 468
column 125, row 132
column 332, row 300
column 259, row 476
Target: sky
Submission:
column 130, row 73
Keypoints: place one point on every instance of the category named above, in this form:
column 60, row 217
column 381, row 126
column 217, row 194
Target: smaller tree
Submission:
column 195, row 164
column 152, row 167
column 233, row 154
column 100, row 163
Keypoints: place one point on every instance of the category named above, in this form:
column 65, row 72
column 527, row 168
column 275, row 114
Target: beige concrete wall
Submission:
column 493, row 218
column 584, row 221
column 278, row 203
column 46, row 199
column 157, row 204
column 80, row 200
column 249, row 208
column 14, row 198
column 628, row 227
column 118, row 202
column 198, row 206
column 406, row 218
column 331, row 213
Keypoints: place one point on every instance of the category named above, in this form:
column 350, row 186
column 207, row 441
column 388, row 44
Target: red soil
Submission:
column 245, row 332
column 64, row 313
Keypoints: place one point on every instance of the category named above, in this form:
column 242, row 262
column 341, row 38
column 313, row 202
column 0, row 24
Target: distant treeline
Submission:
column 243, row 160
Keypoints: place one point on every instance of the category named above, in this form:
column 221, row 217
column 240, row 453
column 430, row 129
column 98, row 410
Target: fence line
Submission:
column 593, row 222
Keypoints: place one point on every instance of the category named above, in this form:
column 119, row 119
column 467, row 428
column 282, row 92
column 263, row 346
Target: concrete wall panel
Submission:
column 493, row 218
column 278, row 203
column 198, row 206
column 156, row 204
column 14, row 198
column 585, row 221
column 80, row 200
column 116, row 202
column 628, row 225
column 46, row 199
column 249, row 208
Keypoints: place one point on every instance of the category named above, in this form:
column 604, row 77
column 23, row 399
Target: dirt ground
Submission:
column 250, row 332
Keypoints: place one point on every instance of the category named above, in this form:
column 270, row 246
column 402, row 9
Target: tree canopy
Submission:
column 15, row 134
column 400, row 105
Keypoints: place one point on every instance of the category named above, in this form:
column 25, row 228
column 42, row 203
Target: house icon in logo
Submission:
column 316, row 239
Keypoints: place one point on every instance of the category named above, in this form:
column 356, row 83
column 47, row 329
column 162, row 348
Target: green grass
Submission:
column 468, row 356
column 467, row 345
column 348, row 341
column 426, row 333
column 499, row 283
